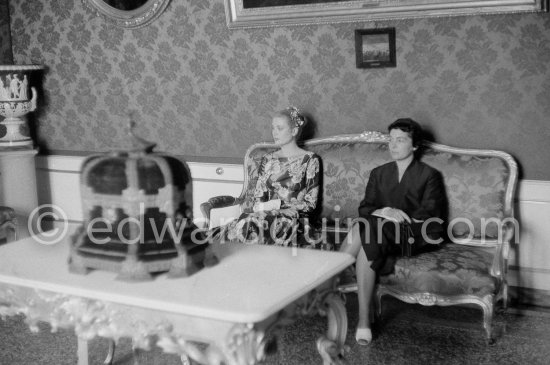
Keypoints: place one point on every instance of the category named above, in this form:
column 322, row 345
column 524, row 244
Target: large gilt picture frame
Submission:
column 267, row 13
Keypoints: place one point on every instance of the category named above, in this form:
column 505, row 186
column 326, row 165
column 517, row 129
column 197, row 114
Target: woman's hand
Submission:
column 291, row 212
column 396, row 214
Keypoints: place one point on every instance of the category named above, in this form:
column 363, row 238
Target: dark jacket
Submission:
column 420, row 193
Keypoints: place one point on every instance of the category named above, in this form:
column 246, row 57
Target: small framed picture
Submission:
column 375, row 47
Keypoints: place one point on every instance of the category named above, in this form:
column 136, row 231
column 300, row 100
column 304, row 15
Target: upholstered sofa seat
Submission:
column 449, row 271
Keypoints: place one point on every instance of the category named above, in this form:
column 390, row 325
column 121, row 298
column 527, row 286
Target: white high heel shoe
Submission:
column 363, row 336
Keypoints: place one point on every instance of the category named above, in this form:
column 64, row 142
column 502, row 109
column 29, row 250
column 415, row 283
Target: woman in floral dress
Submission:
column 287, row 190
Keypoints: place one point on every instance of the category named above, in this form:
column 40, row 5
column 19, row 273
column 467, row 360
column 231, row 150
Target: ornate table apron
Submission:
column 227, row 342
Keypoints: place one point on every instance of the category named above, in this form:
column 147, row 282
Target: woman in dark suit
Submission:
column 402, row 213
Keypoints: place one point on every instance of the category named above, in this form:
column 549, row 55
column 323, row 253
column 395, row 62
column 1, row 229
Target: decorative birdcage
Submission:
column 136, row 220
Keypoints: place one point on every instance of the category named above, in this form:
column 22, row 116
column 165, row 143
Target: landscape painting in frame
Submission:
column 375, row 48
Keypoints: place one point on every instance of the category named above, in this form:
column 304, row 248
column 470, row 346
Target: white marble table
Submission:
column 233, row 307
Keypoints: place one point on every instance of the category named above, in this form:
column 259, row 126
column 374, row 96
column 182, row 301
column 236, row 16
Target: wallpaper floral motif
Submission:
column 199, row 89
column 5, row 38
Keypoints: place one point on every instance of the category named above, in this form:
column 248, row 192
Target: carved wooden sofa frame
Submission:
column 481, row 184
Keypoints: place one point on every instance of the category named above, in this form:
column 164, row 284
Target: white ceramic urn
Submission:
column 17, row 99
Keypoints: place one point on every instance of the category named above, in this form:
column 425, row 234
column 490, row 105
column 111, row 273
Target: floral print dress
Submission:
column 292, row 181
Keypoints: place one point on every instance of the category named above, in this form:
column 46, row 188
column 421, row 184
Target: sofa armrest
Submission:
column 220, row 201
column 500, row 260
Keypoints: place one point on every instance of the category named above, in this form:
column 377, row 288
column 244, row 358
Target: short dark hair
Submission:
column 409, row 126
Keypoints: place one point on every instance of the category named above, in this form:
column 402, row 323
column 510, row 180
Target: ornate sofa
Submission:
column 480, row 184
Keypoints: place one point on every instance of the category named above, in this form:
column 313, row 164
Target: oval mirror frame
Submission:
column 128, row 18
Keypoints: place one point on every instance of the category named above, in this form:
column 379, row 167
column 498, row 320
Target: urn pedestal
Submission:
column 17, row 98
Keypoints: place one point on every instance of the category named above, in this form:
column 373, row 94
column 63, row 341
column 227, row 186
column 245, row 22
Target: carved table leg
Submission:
column 332, row 346
column 245, row 344
column 135, row 354
column 110, row 354
column 82, row 351
column 487, row 307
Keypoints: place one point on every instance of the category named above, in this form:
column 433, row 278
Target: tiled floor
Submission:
column 407, row 334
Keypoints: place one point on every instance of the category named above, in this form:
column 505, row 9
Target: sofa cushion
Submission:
column 452, row 270
column 346, row 171
column 476, row 188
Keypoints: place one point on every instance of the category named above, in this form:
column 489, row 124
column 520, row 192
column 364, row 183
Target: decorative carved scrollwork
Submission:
column 91, row 318
column 425, row 299
column 375, row 136
column 244, row 344
column 428, row 299
column 328, row 303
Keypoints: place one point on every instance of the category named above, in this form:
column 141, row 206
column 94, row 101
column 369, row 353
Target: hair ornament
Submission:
column 295, row 116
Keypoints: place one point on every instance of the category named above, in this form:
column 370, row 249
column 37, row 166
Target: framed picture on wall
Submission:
column 375, row 47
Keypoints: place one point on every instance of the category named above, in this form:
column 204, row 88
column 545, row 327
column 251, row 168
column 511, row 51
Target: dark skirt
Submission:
column 384, row 241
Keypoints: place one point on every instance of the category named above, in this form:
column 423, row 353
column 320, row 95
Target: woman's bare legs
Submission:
column 366, row 276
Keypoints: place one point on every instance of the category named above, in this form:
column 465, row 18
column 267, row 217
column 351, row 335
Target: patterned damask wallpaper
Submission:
column 199, row 89
column 5, row 39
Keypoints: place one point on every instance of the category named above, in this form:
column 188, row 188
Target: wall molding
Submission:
column 530, row 257
column 58, row 180
column 533, row 191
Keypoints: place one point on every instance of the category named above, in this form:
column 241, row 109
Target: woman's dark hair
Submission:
column 409, row 126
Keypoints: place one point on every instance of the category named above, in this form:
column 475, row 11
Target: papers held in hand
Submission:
column 274, row 204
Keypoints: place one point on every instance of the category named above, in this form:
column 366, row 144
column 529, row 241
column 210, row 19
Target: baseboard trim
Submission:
column 529, row 299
